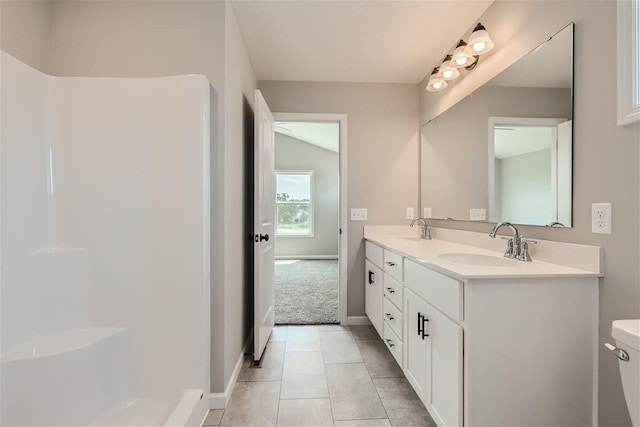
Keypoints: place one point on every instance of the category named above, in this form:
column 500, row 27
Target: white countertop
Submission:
column 427, row 252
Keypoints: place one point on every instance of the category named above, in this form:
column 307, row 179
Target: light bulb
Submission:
column 447, row 74
column 479, row 46
column 437, row 85
column 461, row 61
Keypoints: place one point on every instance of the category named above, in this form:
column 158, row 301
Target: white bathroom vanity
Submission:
column 485, row 340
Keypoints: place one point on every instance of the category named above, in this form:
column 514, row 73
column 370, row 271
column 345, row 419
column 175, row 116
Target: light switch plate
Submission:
column 359, row 214
column 426, row 213
column 601, row 218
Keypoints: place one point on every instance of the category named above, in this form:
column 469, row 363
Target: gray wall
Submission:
column 382, row 147
column 533, row 172
column 291, row 155
column 606, row 156
column 158, row 38
column 455, row 157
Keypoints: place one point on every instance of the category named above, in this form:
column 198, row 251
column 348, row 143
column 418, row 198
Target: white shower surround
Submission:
column 105, row 263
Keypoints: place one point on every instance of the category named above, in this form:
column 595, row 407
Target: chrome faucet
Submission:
column 513, row 243
column 426, row 232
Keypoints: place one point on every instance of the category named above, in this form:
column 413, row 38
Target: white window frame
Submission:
column 311, row 202
column 628, row 61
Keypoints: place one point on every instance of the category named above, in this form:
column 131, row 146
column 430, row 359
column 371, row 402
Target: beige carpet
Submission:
column 306, row 292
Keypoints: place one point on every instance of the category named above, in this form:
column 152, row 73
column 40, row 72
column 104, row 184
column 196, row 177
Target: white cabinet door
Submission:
column 374, row 285
column 415, row 316
column 444, row 369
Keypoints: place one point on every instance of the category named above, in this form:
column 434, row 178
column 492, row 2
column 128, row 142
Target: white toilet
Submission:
column 627, row 336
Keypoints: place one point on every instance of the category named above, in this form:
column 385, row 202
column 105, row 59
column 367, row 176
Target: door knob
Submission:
column 264, row 237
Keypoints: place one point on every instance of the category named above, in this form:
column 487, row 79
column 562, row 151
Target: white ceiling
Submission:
column 391, row 41
column 511, row 141
column 324, row 135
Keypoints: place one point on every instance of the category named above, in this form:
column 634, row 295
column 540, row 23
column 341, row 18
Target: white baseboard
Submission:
column 358, row 320
column 221, row 400
column 306, row 257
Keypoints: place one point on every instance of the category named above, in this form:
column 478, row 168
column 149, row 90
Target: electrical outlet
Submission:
column 410, row 214
column 426, row 213
column 358, row 214
column 478, row 214
column 601, row 218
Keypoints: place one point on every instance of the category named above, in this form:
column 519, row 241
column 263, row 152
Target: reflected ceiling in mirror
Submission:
column 458, row 166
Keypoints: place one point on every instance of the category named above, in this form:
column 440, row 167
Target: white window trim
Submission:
column 311, row 204
column 628, row 109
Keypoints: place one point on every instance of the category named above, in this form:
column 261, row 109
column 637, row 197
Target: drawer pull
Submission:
column 391, row 290
column 421, row 325
column 390, row 344
column 370, row 277
column 389, row 316
column 391, row 264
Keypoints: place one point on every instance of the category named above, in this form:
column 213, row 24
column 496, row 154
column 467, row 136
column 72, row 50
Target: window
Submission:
column 294, row 203
column 628, row 61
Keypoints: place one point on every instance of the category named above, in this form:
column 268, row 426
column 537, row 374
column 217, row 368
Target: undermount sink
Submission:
column 479, row 259
column 405, row 239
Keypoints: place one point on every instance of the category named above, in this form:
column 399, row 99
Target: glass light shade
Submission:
column 435, row 83
column 460, row 58
column 479, row 43
column 448, row 71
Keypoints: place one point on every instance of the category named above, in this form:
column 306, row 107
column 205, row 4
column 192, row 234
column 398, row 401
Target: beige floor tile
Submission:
column 305, row 413
column 366, row 332
column 402, row 403
column 339, row 347
column 304, row 376
column 303, row 338
column 378, row 359
column 363, row 423
column 352, row 393
column 271, row 368
column 279, row 333
column 213, row 418
column 253, row 404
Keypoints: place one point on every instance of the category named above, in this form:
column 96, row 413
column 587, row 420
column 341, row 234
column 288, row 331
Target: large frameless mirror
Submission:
column 504, row 153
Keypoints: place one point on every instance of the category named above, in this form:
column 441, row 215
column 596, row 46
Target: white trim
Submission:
column 342, row 120
column 191, row 411
column 628, row 109
column 307, row 257
column 358, row 320
column 221, row 400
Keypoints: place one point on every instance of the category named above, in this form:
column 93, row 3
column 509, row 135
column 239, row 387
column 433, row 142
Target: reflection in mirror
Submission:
column 531, row 154
column 531, row 184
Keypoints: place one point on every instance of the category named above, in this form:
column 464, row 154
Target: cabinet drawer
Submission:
column 442, row 292
column 393, row 264
column 394, row 290
column 373, row 253
column 393, row 317
column 394, row 344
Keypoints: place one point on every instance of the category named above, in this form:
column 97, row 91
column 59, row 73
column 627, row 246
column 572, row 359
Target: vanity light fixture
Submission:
column 479, row 42
column 448, row 71
column 465, row 55
column 460, row 57
column 436, row 82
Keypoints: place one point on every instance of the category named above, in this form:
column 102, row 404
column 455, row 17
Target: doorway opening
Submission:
column 309, row 225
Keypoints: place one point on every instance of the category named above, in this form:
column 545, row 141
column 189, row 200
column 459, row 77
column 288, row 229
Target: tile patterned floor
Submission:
column 325, row 375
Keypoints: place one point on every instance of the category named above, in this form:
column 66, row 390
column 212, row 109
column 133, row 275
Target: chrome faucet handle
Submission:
column 524, row 249
column 508, row 253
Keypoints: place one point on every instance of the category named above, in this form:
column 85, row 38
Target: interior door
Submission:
column 264, row 208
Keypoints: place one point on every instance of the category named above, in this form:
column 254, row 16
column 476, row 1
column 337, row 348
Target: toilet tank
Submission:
column 627, row 336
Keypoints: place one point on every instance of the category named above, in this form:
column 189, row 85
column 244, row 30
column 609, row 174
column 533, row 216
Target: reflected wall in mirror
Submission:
column 535, row 92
